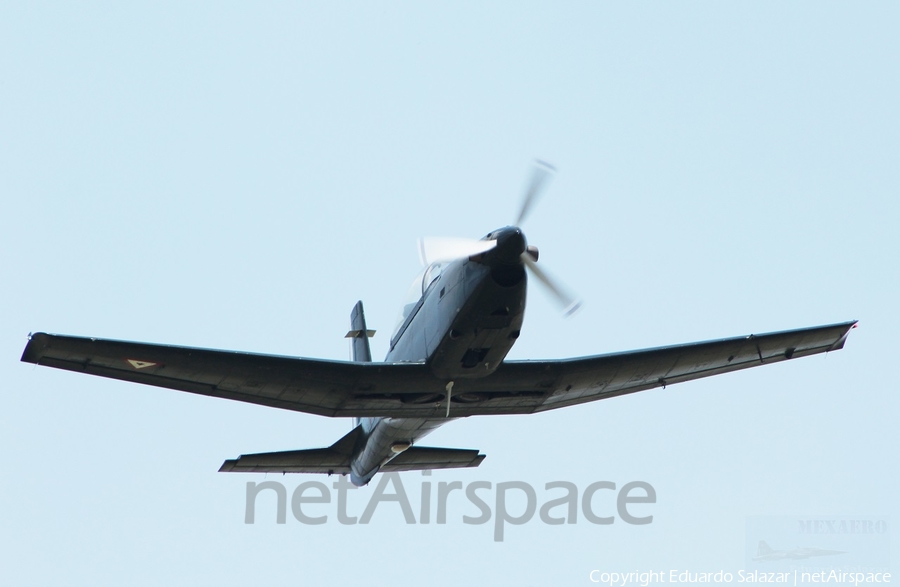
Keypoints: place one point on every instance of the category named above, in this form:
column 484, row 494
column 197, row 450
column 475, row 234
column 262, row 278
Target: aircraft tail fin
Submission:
column 359, row 343
column 763, row 548
column 334, row 459
column 360, row 335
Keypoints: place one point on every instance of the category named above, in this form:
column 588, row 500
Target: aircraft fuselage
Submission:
column 465, row 322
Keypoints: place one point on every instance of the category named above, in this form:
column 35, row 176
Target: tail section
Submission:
column 337, row 458
column 763, row 548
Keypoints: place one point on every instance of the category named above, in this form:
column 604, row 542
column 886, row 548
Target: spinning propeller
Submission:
column 434, row 249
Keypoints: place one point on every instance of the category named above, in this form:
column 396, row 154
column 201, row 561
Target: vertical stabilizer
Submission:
column 359, row 335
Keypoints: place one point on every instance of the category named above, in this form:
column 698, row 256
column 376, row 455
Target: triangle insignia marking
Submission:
column 140, row 364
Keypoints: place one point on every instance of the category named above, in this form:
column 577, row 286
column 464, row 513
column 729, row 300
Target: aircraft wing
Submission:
column 303, row 385
column 342, row 388
column 576, row 381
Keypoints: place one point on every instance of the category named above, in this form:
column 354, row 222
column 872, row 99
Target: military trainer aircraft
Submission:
column 446, row 361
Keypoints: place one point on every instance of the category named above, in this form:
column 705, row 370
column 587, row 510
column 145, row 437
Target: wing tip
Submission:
column 34, row 350
column 228, row 466
column 839, row 343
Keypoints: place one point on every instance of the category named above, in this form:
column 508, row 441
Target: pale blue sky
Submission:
column 235, row 176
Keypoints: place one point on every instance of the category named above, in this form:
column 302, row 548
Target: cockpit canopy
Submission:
column 416, row 290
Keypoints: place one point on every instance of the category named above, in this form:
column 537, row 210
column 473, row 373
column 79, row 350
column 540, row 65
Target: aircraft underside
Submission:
column 446, row 361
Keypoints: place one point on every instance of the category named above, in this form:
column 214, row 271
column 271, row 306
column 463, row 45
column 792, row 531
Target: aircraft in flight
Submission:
column 446, row 361
column 765, row 553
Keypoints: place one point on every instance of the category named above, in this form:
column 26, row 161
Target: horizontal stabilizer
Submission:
column 317, row 460
column 334, row 459
column 419, row 458
column 331, row 461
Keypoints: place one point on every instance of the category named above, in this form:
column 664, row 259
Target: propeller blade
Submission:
column 434, row 249
column 569, row 303
column 540, row 174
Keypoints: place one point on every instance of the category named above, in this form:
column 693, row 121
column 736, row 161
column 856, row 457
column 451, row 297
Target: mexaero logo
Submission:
column 842, row 526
